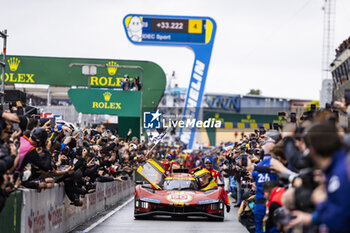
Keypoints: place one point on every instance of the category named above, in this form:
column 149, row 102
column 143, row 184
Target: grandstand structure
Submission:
column 340, row 69
column 245, row 104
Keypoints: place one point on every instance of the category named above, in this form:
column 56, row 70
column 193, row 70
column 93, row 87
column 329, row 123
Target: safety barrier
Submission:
column 50, row 210
column 10, row 216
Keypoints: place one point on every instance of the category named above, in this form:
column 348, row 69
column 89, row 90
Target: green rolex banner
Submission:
column 113, row 102
column 58, row 71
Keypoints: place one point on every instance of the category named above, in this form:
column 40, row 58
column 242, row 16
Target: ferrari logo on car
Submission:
column 179, row 197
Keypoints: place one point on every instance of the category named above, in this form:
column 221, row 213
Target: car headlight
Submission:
column 214, row 206
column 217, row 206
column 144, row 205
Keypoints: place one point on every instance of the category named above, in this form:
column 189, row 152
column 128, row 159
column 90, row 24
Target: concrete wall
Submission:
column 50, row 210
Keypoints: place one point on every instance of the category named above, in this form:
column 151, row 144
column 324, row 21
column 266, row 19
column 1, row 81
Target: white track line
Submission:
column 92, row 226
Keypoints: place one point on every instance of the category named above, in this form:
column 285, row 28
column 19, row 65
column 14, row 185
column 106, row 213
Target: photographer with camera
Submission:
column 8, row 159
column 136, row 84
column 294, row 146
column 225, row 168
column 331, row 198
column 125, row 84
column 240, row 173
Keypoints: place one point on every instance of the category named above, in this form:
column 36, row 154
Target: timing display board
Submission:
column 168, row 25
column 168, row 29
column 197, row 33
column 173, row 30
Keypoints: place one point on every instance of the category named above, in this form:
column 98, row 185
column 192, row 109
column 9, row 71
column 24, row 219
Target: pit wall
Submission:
column 28, row 211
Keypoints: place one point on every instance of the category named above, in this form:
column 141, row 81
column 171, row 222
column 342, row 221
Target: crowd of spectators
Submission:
column 344, row 45
column 294, row 178
column 128, row 85
column 37, row 152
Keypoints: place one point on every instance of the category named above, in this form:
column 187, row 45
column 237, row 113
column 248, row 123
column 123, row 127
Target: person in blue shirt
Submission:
column 332, row 198
column 260, row 178
column 126, row 84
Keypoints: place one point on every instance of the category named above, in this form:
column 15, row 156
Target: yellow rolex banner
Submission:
column 113, row 102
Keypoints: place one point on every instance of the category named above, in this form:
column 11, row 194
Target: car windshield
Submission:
column 180, row 184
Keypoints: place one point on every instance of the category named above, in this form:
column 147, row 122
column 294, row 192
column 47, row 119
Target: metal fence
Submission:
column 69, row 114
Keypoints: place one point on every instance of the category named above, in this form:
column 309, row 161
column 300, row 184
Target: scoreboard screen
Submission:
column 196, row 33
column 177, row 30
column 169, row 25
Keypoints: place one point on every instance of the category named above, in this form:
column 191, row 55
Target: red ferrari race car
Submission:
column 179, row 194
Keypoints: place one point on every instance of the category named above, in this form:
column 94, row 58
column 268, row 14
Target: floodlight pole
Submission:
column 3, row 34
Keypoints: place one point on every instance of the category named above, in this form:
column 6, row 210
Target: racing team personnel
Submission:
column 169, row 164
column 217, row 177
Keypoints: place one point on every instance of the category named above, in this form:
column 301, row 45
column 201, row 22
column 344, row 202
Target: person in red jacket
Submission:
column 168, row 164
column 216, row 175
column 273, row 194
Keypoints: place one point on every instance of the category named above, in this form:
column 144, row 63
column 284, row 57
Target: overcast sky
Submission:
column 271, row 45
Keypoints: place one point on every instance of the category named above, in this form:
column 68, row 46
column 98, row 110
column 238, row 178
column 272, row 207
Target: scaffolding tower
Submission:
column 328, row 37
column 327, row 51
column 3, row 34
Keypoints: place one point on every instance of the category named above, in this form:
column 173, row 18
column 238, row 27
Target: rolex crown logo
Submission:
column 13, row 63
column 112, row 67
column 107, row 96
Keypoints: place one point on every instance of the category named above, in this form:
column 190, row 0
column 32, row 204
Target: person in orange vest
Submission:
column 217, row 177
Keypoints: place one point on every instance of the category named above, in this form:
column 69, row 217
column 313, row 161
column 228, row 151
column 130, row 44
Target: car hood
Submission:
column 179, row 197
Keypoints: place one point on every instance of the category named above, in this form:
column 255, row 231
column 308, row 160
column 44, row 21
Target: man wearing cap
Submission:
column 126, row 83
column 216, row 175
column 168, row 163
column 28, row 154
column 136, row 85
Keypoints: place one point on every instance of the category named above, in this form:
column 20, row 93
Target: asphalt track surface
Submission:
column 123, row 221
